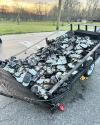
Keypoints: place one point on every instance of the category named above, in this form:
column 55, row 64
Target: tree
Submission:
column 19, row 11
column 71, row 10
column 59, row 14
column 92, row 6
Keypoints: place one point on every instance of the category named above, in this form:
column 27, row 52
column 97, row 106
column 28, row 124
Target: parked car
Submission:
column 0, row 40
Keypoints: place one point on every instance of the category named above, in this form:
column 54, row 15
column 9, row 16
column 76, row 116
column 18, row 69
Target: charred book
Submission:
column 49, row 65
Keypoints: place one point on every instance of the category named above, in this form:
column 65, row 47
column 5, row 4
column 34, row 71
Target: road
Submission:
column 82, row 104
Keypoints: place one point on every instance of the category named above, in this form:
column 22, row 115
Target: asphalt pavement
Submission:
column 82, row 104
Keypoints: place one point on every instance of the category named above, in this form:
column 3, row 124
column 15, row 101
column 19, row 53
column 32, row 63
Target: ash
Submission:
column 42, row 70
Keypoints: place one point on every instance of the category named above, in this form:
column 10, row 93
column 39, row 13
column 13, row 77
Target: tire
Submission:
column 90, row 70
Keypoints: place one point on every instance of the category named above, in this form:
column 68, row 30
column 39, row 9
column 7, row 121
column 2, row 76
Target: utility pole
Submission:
column 59, row 14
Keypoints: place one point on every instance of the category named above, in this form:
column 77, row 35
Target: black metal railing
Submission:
column 78, row 26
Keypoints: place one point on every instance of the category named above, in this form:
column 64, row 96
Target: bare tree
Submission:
column 19, row 11
column 71, row 9
column 59, row 14
column 92, row 6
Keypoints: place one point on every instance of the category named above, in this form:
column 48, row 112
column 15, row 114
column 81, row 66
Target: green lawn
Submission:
column 24, row 27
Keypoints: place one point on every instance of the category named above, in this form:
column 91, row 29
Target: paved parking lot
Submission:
column 82, row 105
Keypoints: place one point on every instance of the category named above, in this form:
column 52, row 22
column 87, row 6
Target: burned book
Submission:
column 44, row 69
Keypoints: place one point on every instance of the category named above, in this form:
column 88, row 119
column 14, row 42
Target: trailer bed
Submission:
column 11, row 88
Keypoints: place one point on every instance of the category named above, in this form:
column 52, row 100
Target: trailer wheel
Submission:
column 90, row 70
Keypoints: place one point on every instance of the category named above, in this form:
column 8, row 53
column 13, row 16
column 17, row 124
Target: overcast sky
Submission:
column 40, row 0
column 32, row 1
column 48, row 1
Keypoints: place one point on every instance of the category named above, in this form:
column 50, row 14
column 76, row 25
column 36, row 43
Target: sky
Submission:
column 27, row 1
column 30, row 5
column 32, row 1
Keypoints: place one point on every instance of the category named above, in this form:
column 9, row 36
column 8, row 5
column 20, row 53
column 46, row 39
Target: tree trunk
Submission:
column 59, row 14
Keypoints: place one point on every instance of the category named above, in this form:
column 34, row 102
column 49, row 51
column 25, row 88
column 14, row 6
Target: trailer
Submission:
column 53, row 96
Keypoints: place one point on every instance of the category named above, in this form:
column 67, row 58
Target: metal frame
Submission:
column 85, row 25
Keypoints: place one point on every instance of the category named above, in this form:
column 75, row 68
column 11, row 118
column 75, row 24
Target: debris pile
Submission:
column 49, row 64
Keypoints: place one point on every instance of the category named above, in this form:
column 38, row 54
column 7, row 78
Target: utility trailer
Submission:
column 11, row 88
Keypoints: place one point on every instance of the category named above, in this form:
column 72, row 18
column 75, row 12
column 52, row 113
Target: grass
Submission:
column 8, row 27
column 24, row 27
